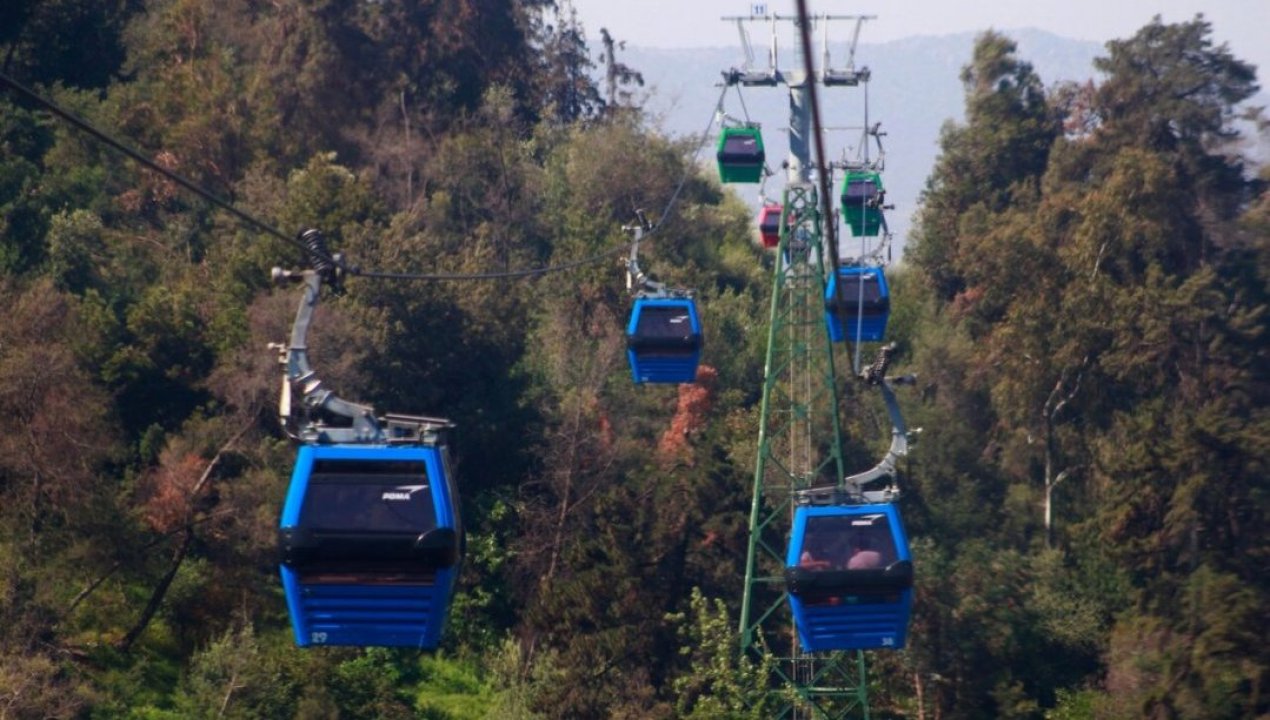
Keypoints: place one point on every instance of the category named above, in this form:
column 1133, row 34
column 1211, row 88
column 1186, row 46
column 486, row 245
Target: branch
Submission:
column 92, row 587
column 1055, row 403
column 1066, row 473
column 161, row 590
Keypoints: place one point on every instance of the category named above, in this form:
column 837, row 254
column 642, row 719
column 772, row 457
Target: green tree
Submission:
column 76, row 42
column 1097, row 296
column 568, row 90
column 1005, row 142
column 721, row 682
column 23, row 215
column 1171, row 91
column 239, row 674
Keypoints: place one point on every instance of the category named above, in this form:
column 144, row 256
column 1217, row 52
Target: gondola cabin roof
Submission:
column 862, row 195
column 663, row 340
column 371, row 544
column 857, row 304
column 740, row 155
column 849, row 575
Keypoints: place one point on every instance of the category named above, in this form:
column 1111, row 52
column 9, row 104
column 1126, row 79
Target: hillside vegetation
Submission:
column 1084, row 302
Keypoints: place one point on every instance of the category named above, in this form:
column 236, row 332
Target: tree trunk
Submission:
column 160, row 590
column 1054, row 405
column 921, row 704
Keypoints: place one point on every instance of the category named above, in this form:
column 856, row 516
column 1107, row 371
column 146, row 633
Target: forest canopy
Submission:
column 1084, row 302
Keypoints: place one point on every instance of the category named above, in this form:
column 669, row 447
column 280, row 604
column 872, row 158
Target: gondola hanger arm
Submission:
column 323, row 416
column 857, row 485
column 301, row 383
column 637, row 281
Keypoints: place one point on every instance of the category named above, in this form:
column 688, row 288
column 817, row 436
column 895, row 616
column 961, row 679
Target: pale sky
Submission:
column 1243, row 24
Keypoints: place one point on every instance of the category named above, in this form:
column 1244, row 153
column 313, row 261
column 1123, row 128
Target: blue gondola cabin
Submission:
column 857, row 304
column 371, row 545
column 663, row 340
column 862, row 202
column 850, row 577
column 740, row 155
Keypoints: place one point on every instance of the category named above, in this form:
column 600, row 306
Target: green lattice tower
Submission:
column 799, row 446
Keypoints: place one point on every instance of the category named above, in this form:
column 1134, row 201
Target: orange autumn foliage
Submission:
column 691, row 416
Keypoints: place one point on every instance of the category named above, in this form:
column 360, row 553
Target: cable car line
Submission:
column 804, row 35
column 318, row 255
column 146, row 162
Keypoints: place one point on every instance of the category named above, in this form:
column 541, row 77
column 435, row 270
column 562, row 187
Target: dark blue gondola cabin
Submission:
column 371, row 545
column 862, row 202
column 860, row 309
column 740, row 155
column 850, row 577
column 663, row 340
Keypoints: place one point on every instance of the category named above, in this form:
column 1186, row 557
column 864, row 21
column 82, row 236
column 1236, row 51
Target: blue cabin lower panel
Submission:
column 365, row 613
column 866, row 328
column 650, row 368
column 852, row 622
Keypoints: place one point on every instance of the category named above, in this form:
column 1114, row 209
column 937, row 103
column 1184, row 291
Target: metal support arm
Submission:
column 855, row 485
column 323, row 416
column 318, row 404
column 637, row 281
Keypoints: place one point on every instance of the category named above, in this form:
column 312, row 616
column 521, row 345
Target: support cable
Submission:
column 84, row 126
column 804, row 35
column 683, row 179
column 252, row 221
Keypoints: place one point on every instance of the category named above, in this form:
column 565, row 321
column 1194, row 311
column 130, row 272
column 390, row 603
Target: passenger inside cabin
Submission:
column 815, row 556
column 825, row 551
column 863, row 556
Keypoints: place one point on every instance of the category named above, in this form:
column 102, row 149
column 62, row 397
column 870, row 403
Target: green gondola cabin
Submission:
column 862, row 202
column 740, row 155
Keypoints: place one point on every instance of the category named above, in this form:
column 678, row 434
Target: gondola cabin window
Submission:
column 665, row 328
column 384, row 496
column 742, row 148
column 860, row 191
column 863, row 288
column 847, row 543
